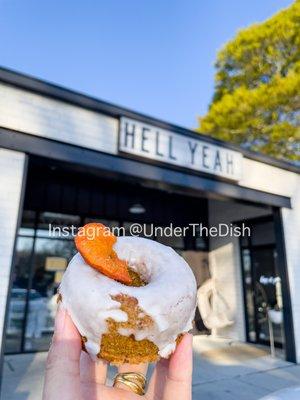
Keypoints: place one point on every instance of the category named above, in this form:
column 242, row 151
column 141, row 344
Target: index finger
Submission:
column 62, row 367
column 172, row 379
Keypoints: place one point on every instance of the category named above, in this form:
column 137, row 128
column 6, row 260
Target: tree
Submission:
column 256, row 102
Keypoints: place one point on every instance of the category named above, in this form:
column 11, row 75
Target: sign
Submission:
column 158, row 144
column 56, row 264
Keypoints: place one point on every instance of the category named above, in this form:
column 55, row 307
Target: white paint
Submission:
column 38, row 115
column 11, row 177
column 279, row 181
column 267, row 178
column 291, row 225
column 153, row 143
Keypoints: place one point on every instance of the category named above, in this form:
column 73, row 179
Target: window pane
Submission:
column 245, row 242
column 27, row 224
column 248, row 284
column 268, row 295
column 51, row 224
column 263, row 233
column 26, row 231
column 18, row 295
column 201, row 240
column 146, row 230
column 172, row 241
column 106, row 222
column 50, row 260
column 201, row 243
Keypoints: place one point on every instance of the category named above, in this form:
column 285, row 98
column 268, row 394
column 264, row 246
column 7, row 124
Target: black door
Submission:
column 266, row 285
column 267, row 295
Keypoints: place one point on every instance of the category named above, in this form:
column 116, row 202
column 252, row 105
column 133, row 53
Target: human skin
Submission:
column 72, row 375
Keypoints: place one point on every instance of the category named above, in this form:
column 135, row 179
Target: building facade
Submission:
column 67, row 159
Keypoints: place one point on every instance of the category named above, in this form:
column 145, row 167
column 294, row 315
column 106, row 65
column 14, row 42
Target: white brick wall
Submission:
column 291, row 224
column 38, row 115
column 269, row 179
column 225, row 265
column 11, row 176
column 274, row 180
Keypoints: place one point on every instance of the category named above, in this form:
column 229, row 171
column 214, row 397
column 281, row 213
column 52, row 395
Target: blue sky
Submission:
column 152, row 56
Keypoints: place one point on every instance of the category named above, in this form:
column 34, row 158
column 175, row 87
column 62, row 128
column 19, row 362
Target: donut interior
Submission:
column 119, row 349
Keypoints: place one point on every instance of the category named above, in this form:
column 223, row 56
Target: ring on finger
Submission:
column 133, row 380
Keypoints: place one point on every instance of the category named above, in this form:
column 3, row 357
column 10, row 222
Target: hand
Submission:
column 72, row 375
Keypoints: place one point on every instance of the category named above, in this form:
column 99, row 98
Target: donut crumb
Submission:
column 83, row 341
column 59, row 298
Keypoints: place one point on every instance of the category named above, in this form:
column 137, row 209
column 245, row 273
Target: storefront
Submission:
column 67, row 159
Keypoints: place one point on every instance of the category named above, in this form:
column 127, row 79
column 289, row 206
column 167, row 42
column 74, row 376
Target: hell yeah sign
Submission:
column 158, row 144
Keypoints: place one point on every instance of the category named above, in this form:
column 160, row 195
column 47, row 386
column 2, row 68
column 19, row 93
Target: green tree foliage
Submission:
column 257, row 92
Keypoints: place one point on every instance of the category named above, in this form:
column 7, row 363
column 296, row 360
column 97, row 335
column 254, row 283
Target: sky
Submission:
column 153, row 56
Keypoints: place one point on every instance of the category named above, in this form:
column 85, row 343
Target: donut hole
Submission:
column 136, row 278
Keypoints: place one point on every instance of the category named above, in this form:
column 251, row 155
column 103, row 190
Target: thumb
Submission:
column 62, row 379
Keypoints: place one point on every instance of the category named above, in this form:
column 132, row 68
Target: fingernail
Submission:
column 60, row 319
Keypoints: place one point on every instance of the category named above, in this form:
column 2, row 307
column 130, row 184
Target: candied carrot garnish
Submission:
column 95, row 243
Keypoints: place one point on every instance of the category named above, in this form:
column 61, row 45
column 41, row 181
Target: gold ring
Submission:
column 134, row 380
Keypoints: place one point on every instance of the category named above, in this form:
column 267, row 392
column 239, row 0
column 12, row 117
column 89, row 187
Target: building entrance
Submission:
column 262, row 286
column 61, row 197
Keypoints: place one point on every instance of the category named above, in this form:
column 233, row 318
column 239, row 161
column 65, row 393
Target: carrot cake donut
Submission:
column 130, row 298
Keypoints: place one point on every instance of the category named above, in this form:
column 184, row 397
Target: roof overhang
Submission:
column 148, row 174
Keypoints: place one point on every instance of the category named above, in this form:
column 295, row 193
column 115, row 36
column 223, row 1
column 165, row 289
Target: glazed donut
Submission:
column 121, row 323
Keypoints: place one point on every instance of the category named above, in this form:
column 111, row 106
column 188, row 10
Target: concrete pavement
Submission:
column 222, row 370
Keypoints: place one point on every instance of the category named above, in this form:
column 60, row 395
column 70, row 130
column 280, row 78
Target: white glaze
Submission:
column 169, row 298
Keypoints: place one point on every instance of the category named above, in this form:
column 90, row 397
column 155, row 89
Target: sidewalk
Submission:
column 222, row 371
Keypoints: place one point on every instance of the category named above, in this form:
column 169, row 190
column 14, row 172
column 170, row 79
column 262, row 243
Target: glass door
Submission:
column 263, row 296
column 268, row 298
column 262, row 284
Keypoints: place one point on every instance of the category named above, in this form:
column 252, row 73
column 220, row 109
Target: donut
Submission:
column 138, row 321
